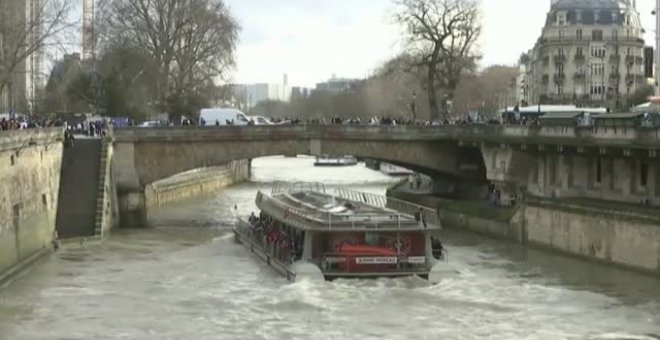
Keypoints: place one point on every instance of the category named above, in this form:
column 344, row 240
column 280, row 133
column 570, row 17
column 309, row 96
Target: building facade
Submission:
column 19, row 31
column 590, row 53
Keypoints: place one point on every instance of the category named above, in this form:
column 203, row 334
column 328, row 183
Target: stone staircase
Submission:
column 83, row 166
column 103, row 190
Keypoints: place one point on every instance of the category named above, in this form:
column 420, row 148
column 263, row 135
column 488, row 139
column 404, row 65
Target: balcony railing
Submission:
column 579, row 58
column 560, row 58
column 587, row 39
column 579, row 76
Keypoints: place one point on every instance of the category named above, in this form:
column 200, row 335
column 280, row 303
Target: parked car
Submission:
column 261, row 120
column 151, row 123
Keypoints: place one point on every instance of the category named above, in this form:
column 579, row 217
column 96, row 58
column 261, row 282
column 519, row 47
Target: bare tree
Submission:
column 441, row 35
column 192, row 42
column 27, row 28
column 485, row 92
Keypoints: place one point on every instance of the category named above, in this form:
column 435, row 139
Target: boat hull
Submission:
column 264, row 255
column 299, row 270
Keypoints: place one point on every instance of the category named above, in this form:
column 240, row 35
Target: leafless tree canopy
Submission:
column 192, row 42
column 441, row 36
column 24, row 35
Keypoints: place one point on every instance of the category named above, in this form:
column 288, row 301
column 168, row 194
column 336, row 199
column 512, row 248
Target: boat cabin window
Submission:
column 372, row 239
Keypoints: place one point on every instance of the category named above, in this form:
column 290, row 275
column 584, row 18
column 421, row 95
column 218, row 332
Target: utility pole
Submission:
column 657, row 47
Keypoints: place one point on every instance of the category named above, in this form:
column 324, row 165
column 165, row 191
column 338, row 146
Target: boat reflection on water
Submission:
column 303, row 231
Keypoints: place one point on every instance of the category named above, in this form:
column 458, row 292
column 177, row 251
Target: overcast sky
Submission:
column 311, row 40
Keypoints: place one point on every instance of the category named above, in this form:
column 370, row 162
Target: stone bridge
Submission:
column 542, row 160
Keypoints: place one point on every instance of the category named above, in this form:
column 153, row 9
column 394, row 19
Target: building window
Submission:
column 643, row 174
column 596, row 16
column 44, row 200
column 597, row 69
column 597, row 35
column 578, row 17
column 597, row 89
column 615, row 35
column 579, row 34
column 628, row 21
column 561, row 35
column 615, row 17
column 599, row 171
column 560, row 89
column 561, row 18
column 598, row 51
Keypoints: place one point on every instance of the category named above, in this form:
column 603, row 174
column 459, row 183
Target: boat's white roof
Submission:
column 318, row 210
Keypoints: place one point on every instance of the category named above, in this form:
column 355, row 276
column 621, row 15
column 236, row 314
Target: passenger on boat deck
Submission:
column 437, row 248
column 253, row 218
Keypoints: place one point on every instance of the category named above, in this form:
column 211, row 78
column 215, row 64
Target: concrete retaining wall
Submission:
column 196, row 183
column 601, row 237
column 30, row 163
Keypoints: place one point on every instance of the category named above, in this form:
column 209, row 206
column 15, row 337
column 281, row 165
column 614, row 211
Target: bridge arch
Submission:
column 143, row 156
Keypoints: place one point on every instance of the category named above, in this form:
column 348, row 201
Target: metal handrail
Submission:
column 288, row 187
column 302, row 219
column 429, row 215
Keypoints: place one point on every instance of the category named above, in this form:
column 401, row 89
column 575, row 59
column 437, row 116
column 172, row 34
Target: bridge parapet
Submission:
column 579, row 136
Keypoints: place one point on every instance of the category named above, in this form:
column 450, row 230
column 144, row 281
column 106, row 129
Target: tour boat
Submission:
column 304, row 231
column 326, row 160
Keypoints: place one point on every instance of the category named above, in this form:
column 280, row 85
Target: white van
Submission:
column 213, row 117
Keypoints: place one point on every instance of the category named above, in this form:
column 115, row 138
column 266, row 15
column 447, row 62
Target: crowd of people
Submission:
column 286, row 243
column 388, row 121
column 16, row 123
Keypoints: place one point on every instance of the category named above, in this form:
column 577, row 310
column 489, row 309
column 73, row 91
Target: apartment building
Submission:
column 590, row 52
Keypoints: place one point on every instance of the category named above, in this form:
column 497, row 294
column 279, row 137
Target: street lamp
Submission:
column 657, row 47
column 414, row 104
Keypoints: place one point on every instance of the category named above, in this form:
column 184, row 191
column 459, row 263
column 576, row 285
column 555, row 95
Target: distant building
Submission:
column 257, row 93
column 298, row 93
column 590, row 53
column 521, row 90
column 88, row 38
column 20, row 94
column 336, row 85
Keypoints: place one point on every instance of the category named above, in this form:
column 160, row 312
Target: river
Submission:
column 186, row 279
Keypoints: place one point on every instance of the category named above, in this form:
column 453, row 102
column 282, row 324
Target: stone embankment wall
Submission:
column 615, row 236
column 30, row 164
column 195, row 183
